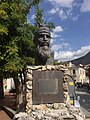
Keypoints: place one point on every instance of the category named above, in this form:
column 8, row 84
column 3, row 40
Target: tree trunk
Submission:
column 1, row 88
column 20, row 94
column 17, row 85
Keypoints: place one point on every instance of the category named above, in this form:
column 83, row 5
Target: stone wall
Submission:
column 29, row 81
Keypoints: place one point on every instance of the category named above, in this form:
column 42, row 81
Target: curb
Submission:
column 10, row 112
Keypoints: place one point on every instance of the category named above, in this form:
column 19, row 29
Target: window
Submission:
column 73, row 71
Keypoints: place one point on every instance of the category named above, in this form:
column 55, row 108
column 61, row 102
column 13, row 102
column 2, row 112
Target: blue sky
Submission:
column 71, row 36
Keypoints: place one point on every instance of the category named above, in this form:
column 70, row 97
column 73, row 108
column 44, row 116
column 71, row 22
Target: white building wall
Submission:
column 10, row 84
column 80, row 74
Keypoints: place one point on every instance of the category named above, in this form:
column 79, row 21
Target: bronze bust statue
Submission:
column 42, row 43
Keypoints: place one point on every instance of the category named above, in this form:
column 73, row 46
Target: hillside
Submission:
column 83, row 60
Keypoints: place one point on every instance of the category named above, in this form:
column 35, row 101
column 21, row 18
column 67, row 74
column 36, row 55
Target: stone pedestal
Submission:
column 48, row 111
column 29, row 81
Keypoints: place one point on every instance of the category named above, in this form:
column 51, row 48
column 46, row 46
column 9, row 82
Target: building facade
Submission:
column 77, row 72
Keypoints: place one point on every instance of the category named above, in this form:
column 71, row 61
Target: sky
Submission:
column 71, row 36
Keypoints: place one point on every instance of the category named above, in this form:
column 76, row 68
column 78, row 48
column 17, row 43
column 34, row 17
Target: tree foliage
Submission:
column 16, row 35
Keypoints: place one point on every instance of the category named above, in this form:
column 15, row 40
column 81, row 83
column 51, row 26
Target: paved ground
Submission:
column 4, row 116
column 9, row 100
column 84, row 101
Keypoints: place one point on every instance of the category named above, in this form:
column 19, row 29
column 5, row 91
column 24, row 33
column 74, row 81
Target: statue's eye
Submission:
column 47, row 36
column 44, row 36
column 41, row 36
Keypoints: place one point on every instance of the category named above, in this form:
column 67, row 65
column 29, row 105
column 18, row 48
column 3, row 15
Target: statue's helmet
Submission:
column 42, row 29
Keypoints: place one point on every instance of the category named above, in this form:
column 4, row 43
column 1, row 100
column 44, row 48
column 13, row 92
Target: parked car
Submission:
column 86, row 86
column 79, row 85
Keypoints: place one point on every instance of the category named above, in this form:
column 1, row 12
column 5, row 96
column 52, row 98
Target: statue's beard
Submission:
column 43, row 52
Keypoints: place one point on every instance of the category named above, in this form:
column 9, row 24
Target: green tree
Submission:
column 16, row 38
column 16, row 34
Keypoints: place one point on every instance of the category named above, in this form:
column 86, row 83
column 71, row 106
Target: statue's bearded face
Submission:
column 43, row 45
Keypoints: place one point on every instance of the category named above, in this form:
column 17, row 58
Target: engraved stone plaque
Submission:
column 47, row 87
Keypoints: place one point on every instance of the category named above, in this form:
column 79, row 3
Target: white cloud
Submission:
column 57, row 47
column 70, row 55
column 69, row 12
column 56, row 33
column 32, row 17
column 62, row 14
column 54, row 36
column 75, row 18
column 63, row 3
column 62, row 55
column 82, row 51
column 28, row 20
column 65, row 14
column 54, row 10
column 85, row 7
column 58, row 29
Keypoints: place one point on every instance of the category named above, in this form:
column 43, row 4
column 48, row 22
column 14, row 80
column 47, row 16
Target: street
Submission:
column 84, row 101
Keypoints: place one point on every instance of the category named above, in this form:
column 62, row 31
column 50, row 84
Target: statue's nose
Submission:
column 45, row 37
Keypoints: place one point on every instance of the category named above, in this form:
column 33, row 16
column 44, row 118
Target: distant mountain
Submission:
column 85, row 60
